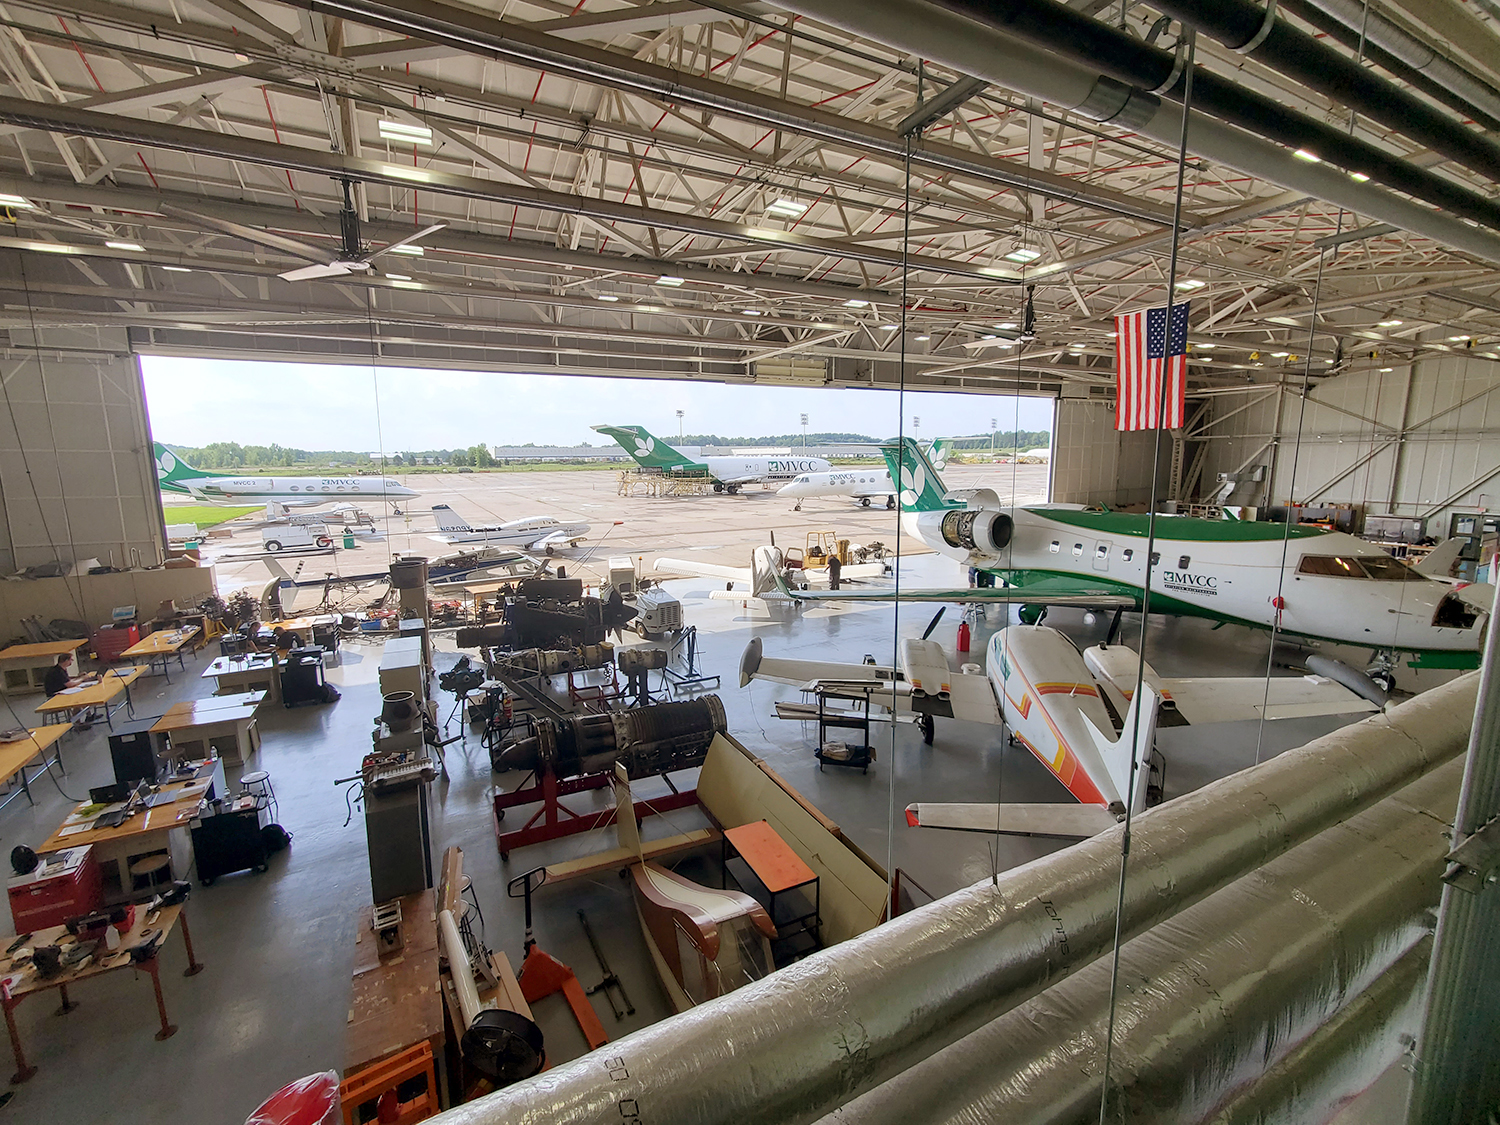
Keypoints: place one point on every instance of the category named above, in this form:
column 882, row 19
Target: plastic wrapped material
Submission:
column 313, row 1100
column 807, row 1039
column 1211, row 1000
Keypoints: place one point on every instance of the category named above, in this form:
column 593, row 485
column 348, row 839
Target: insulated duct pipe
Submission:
column 1253, row 30
column 806, row 1039
column 1209, row 999
column 1397, row 50
column 1055, row 27
column 942, row 36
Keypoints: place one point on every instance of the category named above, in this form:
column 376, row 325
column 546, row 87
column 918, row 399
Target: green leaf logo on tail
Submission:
column 921, row 486
column 171, row 470
column 645, row 449
column 938, row 452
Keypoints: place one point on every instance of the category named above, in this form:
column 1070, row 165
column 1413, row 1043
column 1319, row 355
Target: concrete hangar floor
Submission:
column 274, row 1000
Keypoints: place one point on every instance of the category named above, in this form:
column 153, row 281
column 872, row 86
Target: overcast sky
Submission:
column 315, row 406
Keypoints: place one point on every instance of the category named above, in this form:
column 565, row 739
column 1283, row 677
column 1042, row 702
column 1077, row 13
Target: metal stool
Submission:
column 154, row 869
column 257, row 784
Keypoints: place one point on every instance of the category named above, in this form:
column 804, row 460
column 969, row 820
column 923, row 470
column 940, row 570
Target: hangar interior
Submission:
column 894, row 196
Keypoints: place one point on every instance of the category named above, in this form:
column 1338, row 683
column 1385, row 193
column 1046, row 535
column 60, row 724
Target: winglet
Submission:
column 1116, row 753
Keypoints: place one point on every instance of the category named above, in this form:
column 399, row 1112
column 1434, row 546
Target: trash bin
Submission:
column 348, row 540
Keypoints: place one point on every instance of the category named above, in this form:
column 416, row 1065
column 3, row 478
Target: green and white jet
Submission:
column 1306, row 582
column 728, row 473
column 173, row 474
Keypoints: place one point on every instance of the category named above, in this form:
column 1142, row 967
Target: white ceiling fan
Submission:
column 353, row 256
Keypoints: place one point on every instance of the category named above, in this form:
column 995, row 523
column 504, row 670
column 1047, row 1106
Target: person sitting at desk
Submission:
column 57, row 677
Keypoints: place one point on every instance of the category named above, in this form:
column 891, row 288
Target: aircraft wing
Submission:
column 704, row 570
column 754, row 665
column 552, row 539
column 1231, row 698
column 1050, row 592
column 1068, row 821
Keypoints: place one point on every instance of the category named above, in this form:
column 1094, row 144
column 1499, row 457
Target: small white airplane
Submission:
column 769, row 574
column 729, row 473
column 534, row 533
column 1308, row 583
column 175, row 475
column 863, row 484
column 1062, row 705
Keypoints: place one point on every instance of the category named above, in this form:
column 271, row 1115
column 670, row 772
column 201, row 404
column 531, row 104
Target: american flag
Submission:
column 1141, row 349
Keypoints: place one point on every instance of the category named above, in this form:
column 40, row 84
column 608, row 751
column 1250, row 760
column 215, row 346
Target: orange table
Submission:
column 29, row 985
column 780, row 871
column 16, row 756
column 161, row 646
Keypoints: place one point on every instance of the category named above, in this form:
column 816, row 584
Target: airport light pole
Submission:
column 994, row 424
column 804, row 435
column 679, row 427
column 916, row 427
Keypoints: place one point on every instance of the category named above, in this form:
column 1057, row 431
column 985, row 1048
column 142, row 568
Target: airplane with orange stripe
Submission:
column 1079, row 714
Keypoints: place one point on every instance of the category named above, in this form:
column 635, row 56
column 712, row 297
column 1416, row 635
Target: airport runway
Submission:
column 719, row 528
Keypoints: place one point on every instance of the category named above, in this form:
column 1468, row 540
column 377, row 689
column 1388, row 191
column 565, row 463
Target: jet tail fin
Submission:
column 920, row 485
column 449, row 520
column 1116, row 753
column 171, row 470
column 1439, row 561
column 649, row 452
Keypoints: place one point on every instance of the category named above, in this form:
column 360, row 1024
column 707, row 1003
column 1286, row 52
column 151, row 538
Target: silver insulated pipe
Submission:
column 1210, row 999
column 810, row 1037
column 923, row 31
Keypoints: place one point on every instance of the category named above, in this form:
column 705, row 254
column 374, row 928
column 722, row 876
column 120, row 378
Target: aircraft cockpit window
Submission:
column 1330, row 566
column 1386, row 569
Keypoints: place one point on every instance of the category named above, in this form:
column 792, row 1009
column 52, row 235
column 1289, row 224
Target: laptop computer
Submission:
column 109, row 794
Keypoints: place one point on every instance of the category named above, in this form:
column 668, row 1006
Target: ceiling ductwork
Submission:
column 1254, row 31
column 1403, row 54
column 986, row 52
column 1149, row 72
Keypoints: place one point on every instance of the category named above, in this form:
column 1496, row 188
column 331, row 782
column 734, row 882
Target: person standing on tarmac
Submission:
column 834, row 569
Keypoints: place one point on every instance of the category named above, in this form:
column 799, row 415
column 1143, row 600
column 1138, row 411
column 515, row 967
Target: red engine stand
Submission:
column 554, row 820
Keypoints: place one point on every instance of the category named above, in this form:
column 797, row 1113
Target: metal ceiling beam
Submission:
column 86, row 123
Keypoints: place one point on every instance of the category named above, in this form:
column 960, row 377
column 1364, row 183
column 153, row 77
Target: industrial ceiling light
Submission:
column 1188, row 283
column 1386, row 370
column 752, row 312
column 605, row 297
column 1023, row 254
column 921, row 339
column 1205, row 347
column 1307, row 155
column 855, row 303
column 135, row 247
column 402, row 133
column 1388, row 324
column 409, row 248
column 786, row 209
column 16, row 201
column 1359, row 177
column 1279, row 355
column 177, row 269
column 1008, row 326
column 1451, row 339
column 669, row 281
column 398, row 277
column 888, row 328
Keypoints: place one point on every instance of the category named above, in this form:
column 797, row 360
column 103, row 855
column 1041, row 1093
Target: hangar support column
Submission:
column 76, row 468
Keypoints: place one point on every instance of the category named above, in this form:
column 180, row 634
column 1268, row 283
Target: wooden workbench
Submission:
column 114, row 684
column 225, row 723
column 396, row 1002
column 16, row 756
column 160, row 647
column 24, row 667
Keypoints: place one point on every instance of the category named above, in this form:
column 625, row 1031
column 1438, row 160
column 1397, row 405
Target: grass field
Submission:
column 204, row 515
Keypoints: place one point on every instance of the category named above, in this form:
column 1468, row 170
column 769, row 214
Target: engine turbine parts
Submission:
column 646, row 740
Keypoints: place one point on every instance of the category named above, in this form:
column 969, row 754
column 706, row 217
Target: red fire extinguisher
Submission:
column 963, row 636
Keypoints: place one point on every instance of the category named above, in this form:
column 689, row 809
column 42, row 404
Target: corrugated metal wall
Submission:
column 1419, row 441
column 76, row 468
column 1092, row 464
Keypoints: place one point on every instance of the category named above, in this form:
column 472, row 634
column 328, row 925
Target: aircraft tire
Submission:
column 324, row 541
column 718, row 487
column 864, row 501
column 890, row 503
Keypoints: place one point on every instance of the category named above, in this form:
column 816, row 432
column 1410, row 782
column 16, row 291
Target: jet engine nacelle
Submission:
column 983, row 530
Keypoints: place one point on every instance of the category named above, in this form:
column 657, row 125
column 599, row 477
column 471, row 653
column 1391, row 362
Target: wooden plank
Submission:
column 44, row 652
column 769, row 856
column 396, row 1001
column 616, row 858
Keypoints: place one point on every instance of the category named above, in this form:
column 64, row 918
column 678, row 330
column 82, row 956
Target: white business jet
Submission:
column 533, row 533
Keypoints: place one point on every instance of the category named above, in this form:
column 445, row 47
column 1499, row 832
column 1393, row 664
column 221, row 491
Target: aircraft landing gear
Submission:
column 890, row 503
column 797, row 507
column 1382, row 670
column 732, row 489
column 928, row 726
column 718, row 487
column 864, row 501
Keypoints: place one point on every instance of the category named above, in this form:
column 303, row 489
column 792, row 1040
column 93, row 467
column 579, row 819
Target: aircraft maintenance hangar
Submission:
column 1290, row 919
